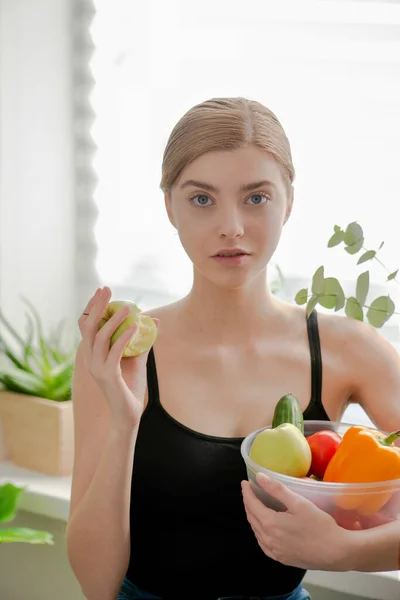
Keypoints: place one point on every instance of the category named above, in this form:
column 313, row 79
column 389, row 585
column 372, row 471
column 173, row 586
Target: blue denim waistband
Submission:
column 129, row 591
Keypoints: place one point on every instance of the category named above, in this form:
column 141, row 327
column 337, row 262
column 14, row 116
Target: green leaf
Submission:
column 353, row 309
column 318, row 285
column 353, row 238
column 341, row 299
column 301, row 296
column 337, row 229
column 25, row 535
column 9, row 495
column 362, row 287
column 46, row 362
column 335, row 239
column 11, row 330
column 20, row 381
column 333, row 296
column 392, row 275
column 355, row 247
column 61, row 373
column 311, row 304
column 14, row 359
column 380, row 311
column 369, row 255
column 62, row 393
column 353, row 234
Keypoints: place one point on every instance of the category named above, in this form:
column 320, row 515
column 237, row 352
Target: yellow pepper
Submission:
column 365, row 455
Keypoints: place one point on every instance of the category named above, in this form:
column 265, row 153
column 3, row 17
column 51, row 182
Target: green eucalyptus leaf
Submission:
column 353, row 309
column 353, row 234
column 353, row 238
column 335, row 239
column 368, row 255
column 341, row 299
column 301, row 296
column 333, row 295
column 356, row 247
column 318, row 281
column 393, row 275
column 311, row 304
column 337, row 229
column 9, row 495
column 362, row 287
column 25, row 535
column 380, row 311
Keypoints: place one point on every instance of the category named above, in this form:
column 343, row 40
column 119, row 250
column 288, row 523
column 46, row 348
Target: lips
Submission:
column 229, row 253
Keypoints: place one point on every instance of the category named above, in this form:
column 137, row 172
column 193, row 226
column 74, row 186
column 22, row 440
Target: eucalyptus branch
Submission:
column 328, row 292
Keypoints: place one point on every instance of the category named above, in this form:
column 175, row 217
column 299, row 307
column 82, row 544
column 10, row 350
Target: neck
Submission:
column 228, row 315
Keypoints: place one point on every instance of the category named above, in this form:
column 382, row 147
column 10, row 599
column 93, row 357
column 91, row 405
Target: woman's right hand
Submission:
column 124, row 388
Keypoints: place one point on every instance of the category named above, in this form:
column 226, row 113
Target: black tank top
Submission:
column 188, row 523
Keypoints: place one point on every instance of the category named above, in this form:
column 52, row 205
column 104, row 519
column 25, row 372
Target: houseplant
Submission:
column 328, row 291
column 35, row 396
column 9, row 496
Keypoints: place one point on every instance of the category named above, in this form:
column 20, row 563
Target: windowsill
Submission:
column 49, row 496
column 43, row 495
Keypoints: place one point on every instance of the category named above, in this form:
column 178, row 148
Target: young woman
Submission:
column 156, row 500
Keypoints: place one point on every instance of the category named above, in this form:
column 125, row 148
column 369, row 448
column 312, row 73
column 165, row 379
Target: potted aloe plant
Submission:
column 9, row 496
column 35, row 396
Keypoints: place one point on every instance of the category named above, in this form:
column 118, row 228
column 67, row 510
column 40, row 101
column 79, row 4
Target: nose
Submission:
column 230, row 225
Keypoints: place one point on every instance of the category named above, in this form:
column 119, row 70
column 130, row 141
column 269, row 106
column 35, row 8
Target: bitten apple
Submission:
column 145, row 335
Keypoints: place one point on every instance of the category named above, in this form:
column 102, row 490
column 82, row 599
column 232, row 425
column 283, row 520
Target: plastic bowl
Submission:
column 352, row 505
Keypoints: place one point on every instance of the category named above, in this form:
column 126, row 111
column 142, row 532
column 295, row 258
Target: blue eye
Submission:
column 202, row 200
column 258, row 199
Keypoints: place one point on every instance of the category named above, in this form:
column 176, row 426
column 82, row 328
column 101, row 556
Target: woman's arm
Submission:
column 294, row 537
column 374, row 367
column 376, row 549
column 109, row 395
column 98, row 533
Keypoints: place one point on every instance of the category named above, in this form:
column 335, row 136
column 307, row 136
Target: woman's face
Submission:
column 230, row 201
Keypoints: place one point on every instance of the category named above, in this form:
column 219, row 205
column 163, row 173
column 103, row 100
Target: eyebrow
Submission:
column 247, row 187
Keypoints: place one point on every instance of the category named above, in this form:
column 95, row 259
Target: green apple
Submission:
column 283, row 449
column 145, row 335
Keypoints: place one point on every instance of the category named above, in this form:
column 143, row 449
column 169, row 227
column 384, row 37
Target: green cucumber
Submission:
column 288, row 410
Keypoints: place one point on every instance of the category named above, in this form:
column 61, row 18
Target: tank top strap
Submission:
column 152, row 380
column 316, row 359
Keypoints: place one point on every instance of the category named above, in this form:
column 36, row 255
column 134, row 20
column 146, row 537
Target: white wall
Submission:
column 36, row 159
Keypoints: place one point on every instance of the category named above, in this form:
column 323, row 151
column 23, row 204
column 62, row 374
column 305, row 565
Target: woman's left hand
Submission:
column 303, row 536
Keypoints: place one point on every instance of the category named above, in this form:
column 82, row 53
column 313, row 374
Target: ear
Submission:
column 168, row 207
column 289, row 204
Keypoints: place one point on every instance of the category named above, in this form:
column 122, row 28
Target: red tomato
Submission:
column 323, row 445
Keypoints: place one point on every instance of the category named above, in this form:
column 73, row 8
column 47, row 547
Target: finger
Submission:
column 90, row 327
column 267, row 549
column 117, row 349
column 278, row 490
column 258, row 511
column 88, row 307
column 101, row 346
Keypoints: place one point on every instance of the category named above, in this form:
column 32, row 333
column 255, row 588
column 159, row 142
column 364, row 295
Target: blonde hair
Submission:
column 224, row 124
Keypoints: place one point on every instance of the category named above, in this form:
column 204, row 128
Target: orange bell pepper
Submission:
column 365, row 455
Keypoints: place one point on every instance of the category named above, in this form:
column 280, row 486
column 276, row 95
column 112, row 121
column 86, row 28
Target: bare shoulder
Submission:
column 357, row 340
column 373, row 366
column 164, row 312
column 168, row 316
